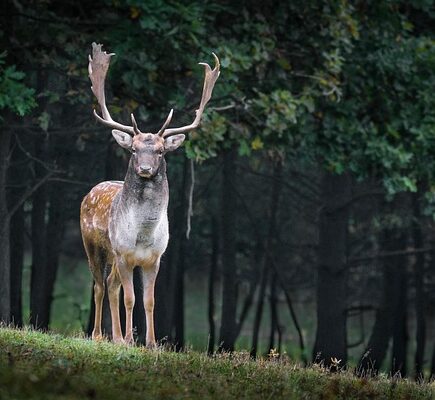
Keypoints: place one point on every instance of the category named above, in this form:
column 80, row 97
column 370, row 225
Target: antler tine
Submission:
column 210, row 79
column 98, row 66
column 135, row 128
column 167, row 122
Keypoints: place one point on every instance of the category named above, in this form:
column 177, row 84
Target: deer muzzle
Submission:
column 145, row 171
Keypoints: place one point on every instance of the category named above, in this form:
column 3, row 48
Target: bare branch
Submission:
column 48, row 167
column 223, row 108
column 408, row 252
column 29, row 192
column 190, row 207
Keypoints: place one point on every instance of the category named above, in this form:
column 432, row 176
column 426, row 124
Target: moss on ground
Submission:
column 35, row 365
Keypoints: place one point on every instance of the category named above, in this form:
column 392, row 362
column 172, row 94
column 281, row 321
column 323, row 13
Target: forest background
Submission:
column 301, row 212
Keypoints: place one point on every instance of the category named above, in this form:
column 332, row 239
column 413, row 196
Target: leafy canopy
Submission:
column 14, row 94
column 344, row 84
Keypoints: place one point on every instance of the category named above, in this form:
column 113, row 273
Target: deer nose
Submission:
column 144, row 169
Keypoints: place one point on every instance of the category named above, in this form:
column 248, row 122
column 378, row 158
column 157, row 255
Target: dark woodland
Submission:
column 301, row 211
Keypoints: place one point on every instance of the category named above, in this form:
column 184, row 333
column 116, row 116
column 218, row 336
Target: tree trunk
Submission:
column 178, row 305
column 374, row 354
column 400, row 285
column 211, row 284
column 249, row 299
column 268, row 253
column 331, row 340
column 259, row 309
column 293, row 317
column 400, row 330
column 274, row 320
column 38, row 317
column 388, row 310
column 432, row 367
column 227, row 334
column 55, row 229
column 37, row 284
column 17, row 261
column 164, row 293
column 5, row 276
column 17, row 176
column 178, row 309
column 420, row 335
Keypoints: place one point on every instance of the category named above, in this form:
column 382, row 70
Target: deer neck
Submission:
column 148, row 196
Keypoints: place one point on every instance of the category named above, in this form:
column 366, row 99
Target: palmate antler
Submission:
column 98, row 66
column 211, row 76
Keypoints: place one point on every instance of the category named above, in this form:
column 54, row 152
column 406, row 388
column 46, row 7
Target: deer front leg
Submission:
column 113, row 285
column 149, row 280
column 126, row 275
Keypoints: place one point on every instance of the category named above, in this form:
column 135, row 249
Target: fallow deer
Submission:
column 125, row 224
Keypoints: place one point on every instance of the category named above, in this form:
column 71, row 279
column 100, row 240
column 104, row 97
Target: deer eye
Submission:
column 133, row 151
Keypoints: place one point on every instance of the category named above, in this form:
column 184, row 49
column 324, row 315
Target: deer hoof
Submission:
column 97, row 336
column 118, row 340
column 129, row 340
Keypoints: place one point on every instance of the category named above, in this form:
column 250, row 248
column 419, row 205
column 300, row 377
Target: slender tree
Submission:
column 211, row 285
column 5, row 302
column 268, row 255
column 420, row 300
column 332, row 272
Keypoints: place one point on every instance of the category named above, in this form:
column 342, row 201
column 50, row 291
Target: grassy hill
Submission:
column 34, row 365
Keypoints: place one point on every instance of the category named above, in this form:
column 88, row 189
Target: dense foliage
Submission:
column 348, row 84
column 14, row 95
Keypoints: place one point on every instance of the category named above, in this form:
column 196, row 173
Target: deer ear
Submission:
column 123, row 139
column 174, row 142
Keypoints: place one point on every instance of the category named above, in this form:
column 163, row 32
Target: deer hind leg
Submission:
column 113, row 286
column 149, row 279
column 126, row 276
column 97, row 260
column 98, row 299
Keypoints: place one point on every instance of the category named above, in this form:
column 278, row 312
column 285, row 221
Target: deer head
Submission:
column 148, row 149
